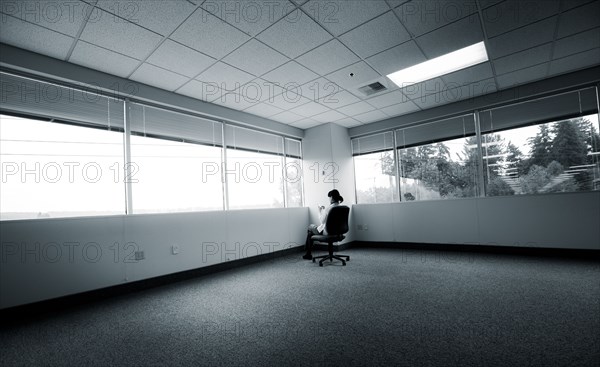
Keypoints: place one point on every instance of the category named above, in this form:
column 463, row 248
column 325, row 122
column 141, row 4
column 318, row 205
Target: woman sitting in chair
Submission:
column 334, row 199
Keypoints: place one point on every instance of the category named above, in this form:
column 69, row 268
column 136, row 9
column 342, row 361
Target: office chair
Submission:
column 336, row 226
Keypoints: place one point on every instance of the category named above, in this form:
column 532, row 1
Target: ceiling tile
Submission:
column 579, row 19
column 397, row 58
column 523, row 38
column 255, row 58
column 235, row 101
column 400, row 108
column 387, row 99
column 452, row 37
column 120, row 36
column 180, row 59
column 577, row 43
column 310, row 109
column 306, row 123
column 287, row 117
column 157, row 77
column 319, row 89
column 339, row 99
column 432, row 86
column 472, row 74
column 347, row 122
column 522, row 76
column 294, row 35
column 329, row 57
column 329, row 116
column 371, row 116
column 512, row 14
column 263, row 110
column 251, row 17
column 18, row 33
column 290, row 74
column 262, row 90
column 62, row 17
column 523, row 59
column 361, row 74
column 287, row 101
column 162, row 17
column 200, row 90
column 432, row 100
column 468, row 91
column 356, row 108
column 341, row 16
column 225, row 76
column 422, row 16
column 575, row 62
column 99, row 58
column 375, row 36
column 209, row 35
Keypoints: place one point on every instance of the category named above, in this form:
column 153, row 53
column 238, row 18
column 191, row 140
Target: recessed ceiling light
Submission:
column 445, row 64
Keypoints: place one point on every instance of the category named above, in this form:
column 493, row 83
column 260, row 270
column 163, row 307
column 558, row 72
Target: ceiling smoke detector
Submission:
column 372, row 88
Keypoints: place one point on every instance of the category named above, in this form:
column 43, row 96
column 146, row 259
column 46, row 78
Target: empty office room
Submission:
column 300, row 183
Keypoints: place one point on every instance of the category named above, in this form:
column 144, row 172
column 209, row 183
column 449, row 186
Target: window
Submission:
column 175, row 161
column 445, row 166
column 542, row 146
column 59, row 170
column 66, row 158
column 293, row 173
column 375, row 168
column 254, row 170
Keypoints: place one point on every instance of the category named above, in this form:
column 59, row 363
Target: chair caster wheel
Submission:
column 313, row 260
column 320, row 264
column 343, row 264
column 348, row 258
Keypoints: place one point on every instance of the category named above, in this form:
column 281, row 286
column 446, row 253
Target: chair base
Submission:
column 331, row 256
column 337, row 257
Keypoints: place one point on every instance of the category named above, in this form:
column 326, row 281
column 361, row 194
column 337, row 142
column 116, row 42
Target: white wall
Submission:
column 48, row 258
column 570, row 220
column 327, row 165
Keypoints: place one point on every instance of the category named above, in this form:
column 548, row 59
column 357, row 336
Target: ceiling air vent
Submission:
column 372, row 88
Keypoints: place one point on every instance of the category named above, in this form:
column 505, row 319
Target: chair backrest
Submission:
column 337, row 220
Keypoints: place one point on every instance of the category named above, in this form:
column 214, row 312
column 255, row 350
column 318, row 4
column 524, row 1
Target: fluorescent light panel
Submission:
column 445, row 64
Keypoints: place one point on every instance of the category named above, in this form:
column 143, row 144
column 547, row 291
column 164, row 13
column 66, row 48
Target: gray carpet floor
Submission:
column 385, row 308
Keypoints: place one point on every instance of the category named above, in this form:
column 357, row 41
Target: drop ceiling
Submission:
column 302, row 62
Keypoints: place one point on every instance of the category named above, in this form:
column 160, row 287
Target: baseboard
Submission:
column 36, row 310
column 511, row 250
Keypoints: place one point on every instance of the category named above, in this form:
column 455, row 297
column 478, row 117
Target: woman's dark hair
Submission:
column 335, row 195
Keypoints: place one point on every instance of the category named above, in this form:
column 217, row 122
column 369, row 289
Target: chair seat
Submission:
column 327, row 238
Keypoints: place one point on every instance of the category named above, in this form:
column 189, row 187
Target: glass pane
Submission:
column 254, row 180
column 57, row 170
column 293, row 180
column 375, row 176
column 172, row 176
column 560, row 156
column 441, row 170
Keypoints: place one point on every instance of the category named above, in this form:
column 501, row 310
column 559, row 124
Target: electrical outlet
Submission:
column 175, row 249
column 139, row 255
column 366, row 227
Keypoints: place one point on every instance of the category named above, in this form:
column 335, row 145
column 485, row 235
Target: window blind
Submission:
column 22, row 95
column 437, row 131
column 161, row 123
column 553, row 108
column 241, row 138
column 373, row 143
column 293, row 148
